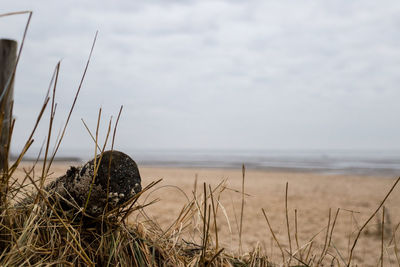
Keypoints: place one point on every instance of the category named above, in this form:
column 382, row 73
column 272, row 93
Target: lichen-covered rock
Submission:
column 116, row 171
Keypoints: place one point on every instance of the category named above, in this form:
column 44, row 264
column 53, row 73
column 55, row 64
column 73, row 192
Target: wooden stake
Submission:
column 8, row 58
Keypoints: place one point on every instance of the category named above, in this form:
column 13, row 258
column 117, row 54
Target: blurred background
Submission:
column 272, row 84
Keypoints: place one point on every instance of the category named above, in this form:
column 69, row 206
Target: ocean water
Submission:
column 370, row 162
column 362, row 162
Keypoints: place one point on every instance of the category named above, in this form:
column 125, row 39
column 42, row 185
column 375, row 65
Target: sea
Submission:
column 353, row 162
column 358, row 162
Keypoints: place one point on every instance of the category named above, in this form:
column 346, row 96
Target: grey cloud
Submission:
column 218, row 74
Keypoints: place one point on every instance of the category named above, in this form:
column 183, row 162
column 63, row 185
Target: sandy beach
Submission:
column 312, row 195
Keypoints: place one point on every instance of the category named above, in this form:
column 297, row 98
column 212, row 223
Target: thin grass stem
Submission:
column 287, row 222
column 273, row 235
column 369, row 219
column 241, row 210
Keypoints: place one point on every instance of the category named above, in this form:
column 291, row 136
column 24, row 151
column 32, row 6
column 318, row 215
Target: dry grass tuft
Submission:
column 36, row 231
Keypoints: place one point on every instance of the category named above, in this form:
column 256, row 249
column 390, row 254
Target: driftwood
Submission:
column 112, row 186
column 8, row 58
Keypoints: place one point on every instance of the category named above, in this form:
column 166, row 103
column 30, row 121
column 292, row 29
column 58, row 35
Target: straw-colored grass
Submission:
column 36, row 231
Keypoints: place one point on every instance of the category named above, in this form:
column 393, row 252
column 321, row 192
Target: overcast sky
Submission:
column 214, row 74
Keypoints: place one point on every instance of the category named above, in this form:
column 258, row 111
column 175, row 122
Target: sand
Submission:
column 312, row 195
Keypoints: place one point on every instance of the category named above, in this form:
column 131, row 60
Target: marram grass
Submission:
column 35, row 231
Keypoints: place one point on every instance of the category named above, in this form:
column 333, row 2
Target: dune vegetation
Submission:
column 36, row 231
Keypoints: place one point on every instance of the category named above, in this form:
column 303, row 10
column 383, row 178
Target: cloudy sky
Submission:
column 214, row 74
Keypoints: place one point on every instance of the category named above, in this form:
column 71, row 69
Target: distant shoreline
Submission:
column 56, row 159
column 390, row 173
column 366, row 163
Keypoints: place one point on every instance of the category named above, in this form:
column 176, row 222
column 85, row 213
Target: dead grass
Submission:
column 310, row 198
column 36, row 231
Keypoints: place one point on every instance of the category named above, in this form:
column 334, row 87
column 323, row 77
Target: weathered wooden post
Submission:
column 8, row 58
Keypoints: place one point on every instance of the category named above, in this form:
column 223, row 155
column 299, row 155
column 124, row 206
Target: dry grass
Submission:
column 177, row 219
column 36, row 231
column 309, row 200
